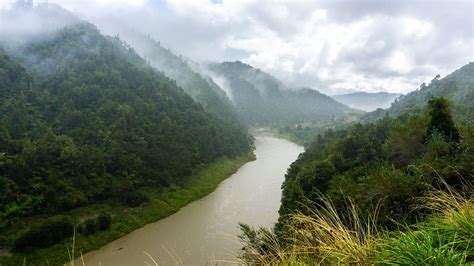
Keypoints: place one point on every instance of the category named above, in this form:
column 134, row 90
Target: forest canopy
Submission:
column 84, row 118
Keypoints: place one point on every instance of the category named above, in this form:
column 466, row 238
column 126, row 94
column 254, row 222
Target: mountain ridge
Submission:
column 262, row 99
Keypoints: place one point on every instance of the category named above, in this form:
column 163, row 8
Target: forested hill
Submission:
column 367, row 101
column 89, row 124
column 457, row 87
column 261, row 99
column 199, row 87
column 396, row 191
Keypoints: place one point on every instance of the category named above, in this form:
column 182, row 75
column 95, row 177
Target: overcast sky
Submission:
column 332, row 46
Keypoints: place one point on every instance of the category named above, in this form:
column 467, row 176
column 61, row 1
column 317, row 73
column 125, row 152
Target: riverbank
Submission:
column 162, row 203
column 205, row 232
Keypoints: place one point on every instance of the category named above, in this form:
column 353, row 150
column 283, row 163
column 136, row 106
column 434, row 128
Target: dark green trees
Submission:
column 383, row 165
column 441, row 120
column 45, row 235
column 83, row 118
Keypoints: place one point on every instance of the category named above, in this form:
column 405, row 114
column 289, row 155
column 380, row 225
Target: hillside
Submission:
column 84, row 119
column 199, row 87
column 396, row 191
column 457, row 87
column 261, row 99
column 367, row 101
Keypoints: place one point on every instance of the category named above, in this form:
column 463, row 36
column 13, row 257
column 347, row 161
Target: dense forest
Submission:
column 200, row 87
column 263, row 100
column 353, row 186
column 83, row 118
column 101, row 135
column 384, row 164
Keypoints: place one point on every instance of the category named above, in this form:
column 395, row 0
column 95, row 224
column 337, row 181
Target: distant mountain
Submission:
column 367, row 101
column 198, row 86
column 457, row 86
column 262, row 99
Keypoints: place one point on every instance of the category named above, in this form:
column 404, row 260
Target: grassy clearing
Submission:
column 163, row 202
column 445, row 238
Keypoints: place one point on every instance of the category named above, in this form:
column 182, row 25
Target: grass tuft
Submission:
column 323, row 236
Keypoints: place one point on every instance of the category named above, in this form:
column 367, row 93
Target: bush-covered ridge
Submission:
column 84, row 119
column 389, row 161
column 378, row 170
column 162, row 202
column 457, row 87
column 199, row 87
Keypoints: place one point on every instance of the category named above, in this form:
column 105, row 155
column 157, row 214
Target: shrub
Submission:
column 133, row 198
column 44, row 235
column 89, row 227
column 104, row 220
column 94, row 225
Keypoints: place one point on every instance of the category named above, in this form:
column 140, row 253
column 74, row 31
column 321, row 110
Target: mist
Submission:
column 20, row 24
column 163, row 125
column 329, row 47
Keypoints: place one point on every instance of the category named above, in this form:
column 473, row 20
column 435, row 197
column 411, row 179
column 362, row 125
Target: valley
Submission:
column 227, row 132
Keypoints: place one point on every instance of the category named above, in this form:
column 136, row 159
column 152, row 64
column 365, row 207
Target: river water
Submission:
column 205, row 231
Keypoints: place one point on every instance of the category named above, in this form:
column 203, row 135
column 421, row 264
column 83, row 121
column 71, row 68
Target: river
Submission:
column 205, row 231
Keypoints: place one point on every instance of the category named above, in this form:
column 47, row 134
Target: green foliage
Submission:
column 92, row 225
column 383, row 170
column 83, row 119
column 104, row 220
column 327, row 235
column 133, row 198
column 89, row 227
column 381, row 166
column 190, row 78
column 428, row 246
column 163, row 202
column 44, row 235
column 441, row 120
column 457, row 87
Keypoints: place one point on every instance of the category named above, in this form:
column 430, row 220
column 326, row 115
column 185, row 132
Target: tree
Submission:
column 441, row 120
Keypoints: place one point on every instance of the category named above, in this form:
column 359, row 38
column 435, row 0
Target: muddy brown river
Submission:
column 205, row 231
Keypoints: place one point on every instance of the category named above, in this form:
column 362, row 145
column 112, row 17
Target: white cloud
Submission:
column 333, row 46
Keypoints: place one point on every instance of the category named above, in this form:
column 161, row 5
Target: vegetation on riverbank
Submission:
column 162, row 203
column 305, row 134
column 380, row 170
column 324, row 236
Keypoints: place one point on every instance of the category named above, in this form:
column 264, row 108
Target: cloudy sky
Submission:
column 333, row 46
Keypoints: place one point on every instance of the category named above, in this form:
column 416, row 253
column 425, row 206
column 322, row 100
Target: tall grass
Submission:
column 324, row 237
column 446, row 238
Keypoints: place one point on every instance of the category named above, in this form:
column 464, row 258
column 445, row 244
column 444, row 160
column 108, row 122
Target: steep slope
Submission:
column 93, row 125
column 199, row 87
column 367, row 101
column 261, row 99
column 457, row 87
column 373, row 176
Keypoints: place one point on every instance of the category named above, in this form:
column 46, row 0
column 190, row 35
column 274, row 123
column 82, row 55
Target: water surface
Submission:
column 204, row 232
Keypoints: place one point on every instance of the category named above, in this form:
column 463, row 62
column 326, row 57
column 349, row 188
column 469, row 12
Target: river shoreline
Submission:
column 205, row 231
column 163, row 203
